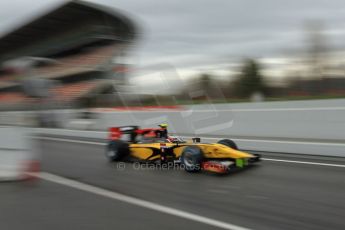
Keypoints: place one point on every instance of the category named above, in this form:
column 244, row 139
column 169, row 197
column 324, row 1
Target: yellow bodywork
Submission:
column 145, row 150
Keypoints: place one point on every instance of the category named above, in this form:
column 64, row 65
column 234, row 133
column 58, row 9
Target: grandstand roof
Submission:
column 85, row 20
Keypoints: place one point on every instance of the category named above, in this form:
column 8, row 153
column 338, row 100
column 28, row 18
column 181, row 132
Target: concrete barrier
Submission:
column 296, row 124
column 322, row 120
column 306, row 127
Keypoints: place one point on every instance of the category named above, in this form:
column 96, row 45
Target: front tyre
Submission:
column 229, row 143
column 116, row 150
column 191, row 159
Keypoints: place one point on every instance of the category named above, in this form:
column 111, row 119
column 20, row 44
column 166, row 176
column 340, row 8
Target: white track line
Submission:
column 271, row 110
column 68, row 140
column 138, row 202
column 69, row 130
column 215, row 110
column 239, row 139
column 275, row 141
column 213, row 138
column 304, row 162
column 266, row 159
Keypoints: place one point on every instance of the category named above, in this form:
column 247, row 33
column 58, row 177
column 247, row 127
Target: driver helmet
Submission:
column 163, row 125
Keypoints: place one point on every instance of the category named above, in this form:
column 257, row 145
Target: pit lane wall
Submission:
column 305, row 127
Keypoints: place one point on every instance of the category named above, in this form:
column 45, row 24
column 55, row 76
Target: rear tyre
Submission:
column 228, row 143
column 191, row 159
column 117, row 150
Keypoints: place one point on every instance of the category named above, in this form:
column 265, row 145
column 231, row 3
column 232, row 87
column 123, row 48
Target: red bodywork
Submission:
column 115, row 133
column 216, row 167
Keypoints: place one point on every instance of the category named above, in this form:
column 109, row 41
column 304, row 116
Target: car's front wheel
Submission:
column 191, row 159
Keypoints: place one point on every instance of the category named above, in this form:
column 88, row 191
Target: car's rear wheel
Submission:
column 229, row 143
column 191, row 159
column 117, row 150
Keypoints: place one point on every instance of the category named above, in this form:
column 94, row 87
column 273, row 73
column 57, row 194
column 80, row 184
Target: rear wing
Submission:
column 130, row 133
column 126, row 133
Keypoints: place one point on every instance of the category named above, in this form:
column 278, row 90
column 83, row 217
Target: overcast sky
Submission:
column 190, row 34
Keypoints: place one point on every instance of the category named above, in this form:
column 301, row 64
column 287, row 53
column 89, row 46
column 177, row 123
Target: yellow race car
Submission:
column 133, row 144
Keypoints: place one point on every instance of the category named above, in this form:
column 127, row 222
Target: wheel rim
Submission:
column 188, row 160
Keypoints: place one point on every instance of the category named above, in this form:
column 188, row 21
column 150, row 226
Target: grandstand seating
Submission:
column 69, row 92
column 72, row 64
column 82, row 39
column 62, row 93
column 7, row 77
column 9, row 98
column 77, row 63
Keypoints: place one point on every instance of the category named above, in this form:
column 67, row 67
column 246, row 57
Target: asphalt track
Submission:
column 287, row 194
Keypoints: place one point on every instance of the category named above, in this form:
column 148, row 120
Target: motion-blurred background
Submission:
column 268, row 74
column 79, row 54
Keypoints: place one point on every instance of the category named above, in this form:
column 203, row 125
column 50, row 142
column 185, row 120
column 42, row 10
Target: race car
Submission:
column 130, row 143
